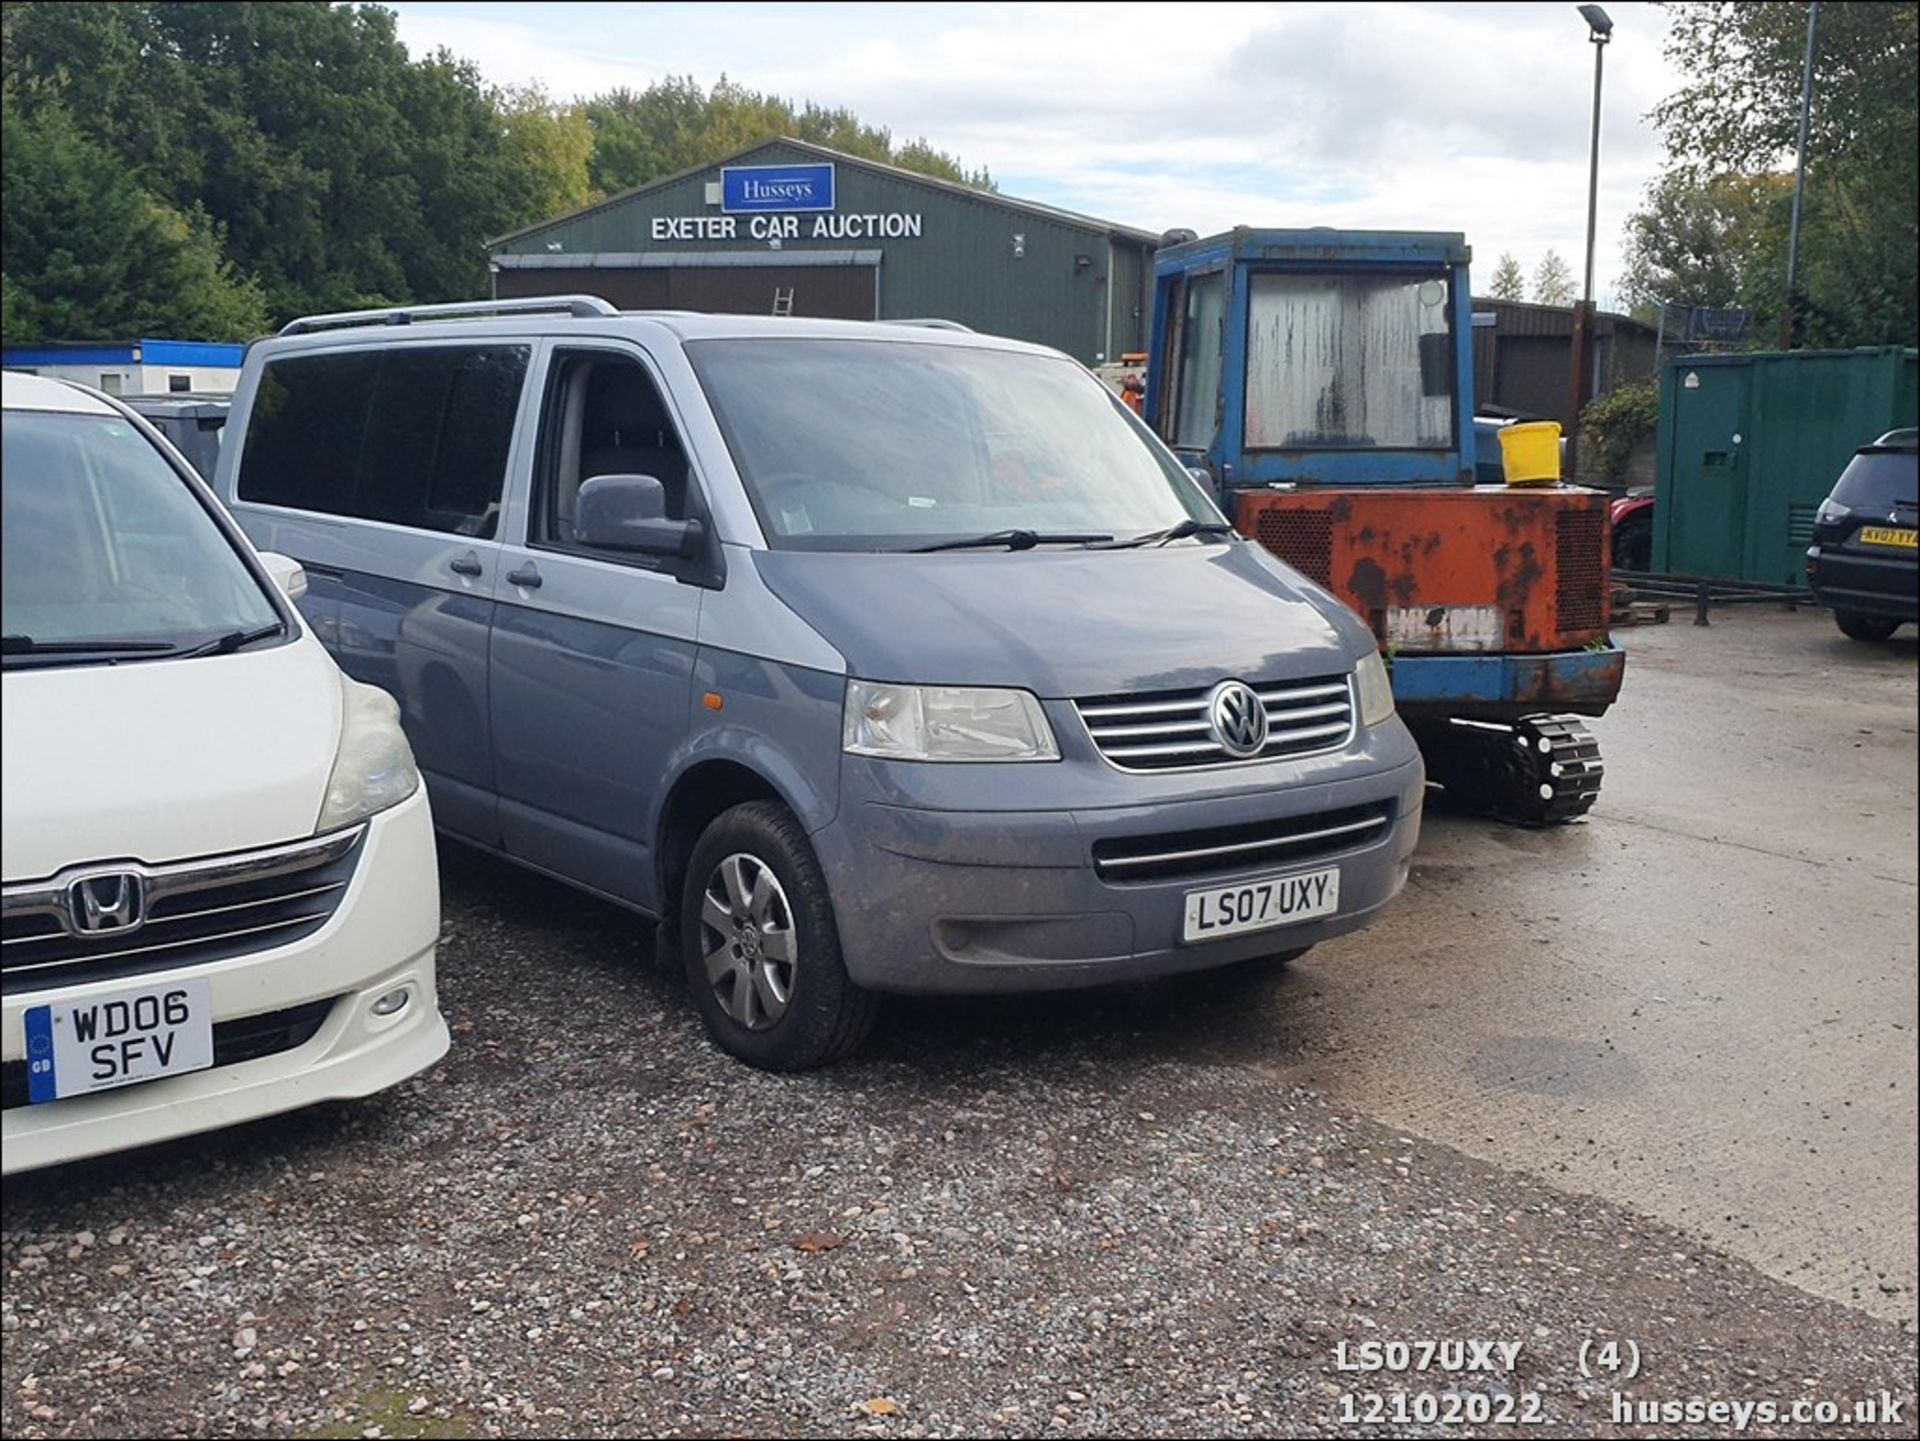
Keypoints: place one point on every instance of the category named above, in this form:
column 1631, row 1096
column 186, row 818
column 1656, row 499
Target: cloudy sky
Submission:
column 1469, row 117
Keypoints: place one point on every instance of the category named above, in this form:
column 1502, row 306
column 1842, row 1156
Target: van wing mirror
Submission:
column 629, row 512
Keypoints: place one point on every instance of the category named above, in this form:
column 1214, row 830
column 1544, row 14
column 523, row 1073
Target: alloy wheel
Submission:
column 747, row 941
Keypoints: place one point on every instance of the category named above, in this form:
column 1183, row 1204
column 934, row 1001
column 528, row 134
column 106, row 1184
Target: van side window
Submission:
column 603, row 416
column 415, row 436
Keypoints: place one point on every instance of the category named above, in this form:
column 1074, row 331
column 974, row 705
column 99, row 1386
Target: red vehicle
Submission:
column 1630, row 517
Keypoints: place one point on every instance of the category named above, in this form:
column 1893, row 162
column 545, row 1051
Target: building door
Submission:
column 827, row 292
column 623, row 287
column 1704, row 508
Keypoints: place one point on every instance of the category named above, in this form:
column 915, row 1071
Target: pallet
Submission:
column 1642, row 612
column 1630, row 610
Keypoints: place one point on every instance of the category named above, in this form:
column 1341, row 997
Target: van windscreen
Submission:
column 892, row 445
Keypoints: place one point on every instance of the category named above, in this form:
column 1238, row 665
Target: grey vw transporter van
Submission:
column 864, row 657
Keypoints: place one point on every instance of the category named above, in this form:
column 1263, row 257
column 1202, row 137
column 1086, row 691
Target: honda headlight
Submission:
column 1372, row 689
column 945, row 723
column 373, row 769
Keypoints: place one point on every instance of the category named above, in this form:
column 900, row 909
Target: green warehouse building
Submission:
column 788, row 228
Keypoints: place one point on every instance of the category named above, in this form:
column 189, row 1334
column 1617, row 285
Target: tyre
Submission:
column 1864, row 627
column 761, row 948
column 1633, row 542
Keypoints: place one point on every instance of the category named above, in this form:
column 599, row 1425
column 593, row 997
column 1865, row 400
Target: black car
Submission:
column 1863, row 562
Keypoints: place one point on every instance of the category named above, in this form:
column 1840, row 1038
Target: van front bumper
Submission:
column 942, row 901
column 380, row 938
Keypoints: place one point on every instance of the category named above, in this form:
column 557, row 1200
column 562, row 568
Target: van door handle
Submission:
column 526, row 576
column 468, row 564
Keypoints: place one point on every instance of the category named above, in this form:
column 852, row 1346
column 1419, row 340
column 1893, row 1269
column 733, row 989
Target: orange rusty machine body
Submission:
column 1485, row 568
column 1323, row 381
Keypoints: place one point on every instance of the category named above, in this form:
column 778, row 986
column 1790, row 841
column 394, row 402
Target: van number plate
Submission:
column 116, row 1039
column 1261, row 905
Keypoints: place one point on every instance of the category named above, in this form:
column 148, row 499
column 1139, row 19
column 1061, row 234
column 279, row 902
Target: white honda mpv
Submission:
column 220, row 895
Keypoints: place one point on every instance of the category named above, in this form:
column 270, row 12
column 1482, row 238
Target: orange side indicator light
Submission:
column 713, row 700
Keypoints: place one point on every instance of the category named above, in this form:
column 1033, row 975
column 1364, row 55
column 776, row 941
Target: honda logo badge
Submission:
column 1238, row 718
column 106, row 904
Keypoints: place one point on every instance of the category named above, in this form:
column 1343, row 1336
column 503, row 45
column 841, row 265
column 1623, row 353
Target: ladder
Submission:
column 783, row 300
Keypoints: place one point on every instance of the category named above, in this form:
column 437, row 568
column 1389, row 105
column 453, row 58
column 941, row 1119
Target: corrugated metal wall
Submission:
column 1750, row 444
column 986, row 264
column 1522, row 361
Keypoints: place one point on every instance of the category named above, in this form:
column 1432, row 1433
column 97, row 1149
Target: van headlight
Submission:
column 945, row 723
column 1372, row 689
column 373, row 768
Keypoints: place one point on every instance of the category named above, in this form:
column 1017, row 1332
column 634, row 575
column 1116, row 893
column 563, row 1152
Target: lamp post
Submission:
column 1599, row 32
column 1788, row 321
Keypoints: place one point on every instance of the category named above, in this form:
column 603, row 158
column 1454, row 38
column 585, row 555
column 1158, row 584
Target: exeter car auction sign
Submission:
column 773, row 203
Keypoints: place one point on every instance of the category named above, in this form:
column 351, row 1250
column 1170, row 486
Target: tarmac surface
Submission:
column 1699, row 1002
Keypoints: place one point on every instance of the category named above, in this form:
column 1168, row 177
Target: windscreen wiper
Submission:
column 27, row 645
column 233, row 640
column 1179, row 531
column 1011, row 539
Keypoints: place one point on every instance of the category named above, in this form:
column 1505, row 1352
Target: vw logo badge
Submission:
column 100, row 904
column 1238, row 719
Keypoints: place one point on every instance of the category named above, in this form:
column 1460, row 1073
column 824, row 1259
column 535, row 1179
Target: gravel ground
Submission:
column 1036, row 1217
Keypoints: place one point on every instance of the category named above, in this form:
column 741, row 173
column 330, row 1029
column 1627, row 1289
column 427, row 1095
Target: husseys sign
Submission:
column 781, row 202
column 747, row 189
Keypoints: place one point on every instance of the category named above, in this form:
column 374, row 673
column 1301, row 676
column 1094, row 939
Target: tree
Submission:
column 340, row 172
column 675, row 125
column 312, row 161
column 1712, row 241
column 548, row 146
column 1552, row 281
column 86, row 254
column 1508, row 283
column 1738, row 114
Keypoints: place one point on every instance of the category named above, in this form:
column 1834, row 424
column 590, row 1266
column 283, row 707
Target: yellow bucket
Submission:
column 1530, row 452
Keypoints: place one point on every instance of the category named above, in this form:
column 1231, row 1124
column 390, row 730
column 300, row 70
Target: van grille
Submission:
column 196, row 912
column 1243, row 847
column 247, row 1039
column 1168, row 730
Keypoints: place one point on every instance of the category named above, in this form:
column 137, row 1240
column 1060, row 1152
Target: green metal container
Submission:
column 1750, row 444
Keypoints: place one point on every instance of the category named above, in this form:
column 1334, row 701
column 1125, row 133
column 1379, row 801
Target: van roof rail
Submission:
column 581, row 305
column 932, row 322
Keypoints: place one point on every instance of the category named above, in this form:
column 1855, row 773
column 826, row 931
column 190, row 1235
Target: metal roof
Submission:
column 145, row 351
column 891, row 172
column 1530, row 318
